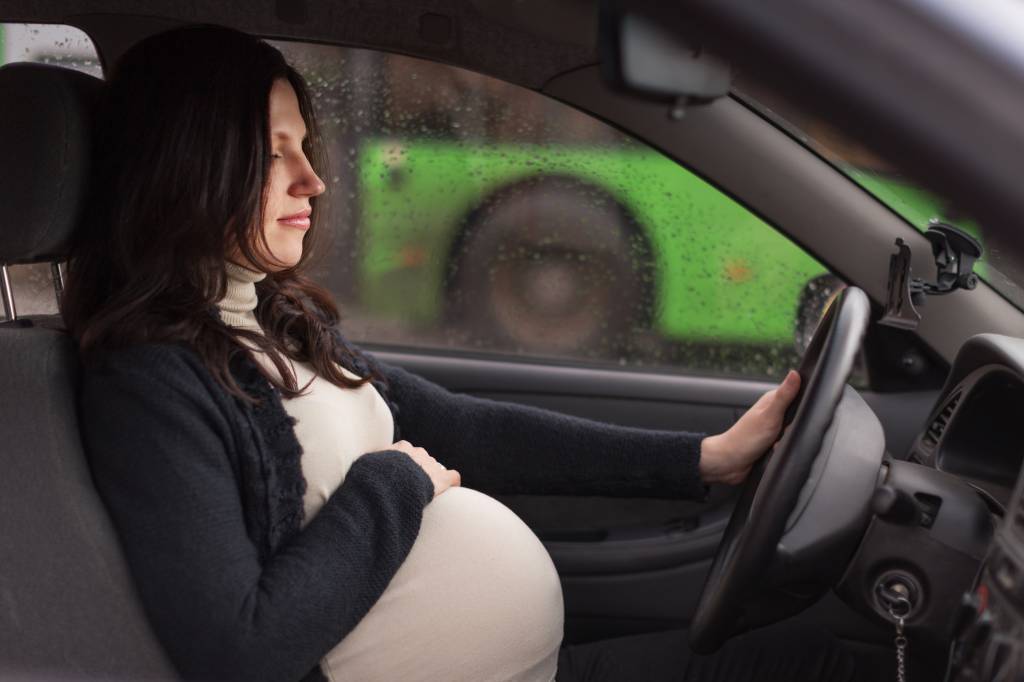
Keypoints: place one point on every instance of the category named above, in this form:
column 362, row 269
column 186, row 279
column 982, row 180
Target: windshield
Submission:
column 1001, row 267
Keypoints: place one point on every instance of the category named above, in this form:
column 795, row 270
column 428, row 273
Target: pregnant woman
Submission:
column 275, row 489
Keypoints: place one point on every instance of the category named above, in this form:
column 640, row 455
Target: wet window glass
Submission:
column 65, row 46
column 474, row 215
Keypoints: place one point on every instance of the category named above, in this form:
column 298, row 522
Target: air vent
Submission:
column 938, row 426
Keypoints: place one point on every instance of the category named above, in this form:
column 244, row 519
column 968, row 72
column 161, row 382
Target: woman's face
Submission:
column 291, row 182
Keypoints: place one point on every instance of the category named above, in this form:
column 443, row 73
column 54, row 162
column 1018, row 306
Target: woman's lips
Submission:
column 300, row 220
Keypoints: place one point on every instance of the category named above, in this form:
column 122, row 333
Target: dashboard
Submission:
column 975, row 434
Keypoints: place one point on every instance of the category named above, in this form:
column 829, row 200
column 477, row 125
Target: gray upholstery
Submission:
column 67, row 604
column 45, row 126
column 68, row 609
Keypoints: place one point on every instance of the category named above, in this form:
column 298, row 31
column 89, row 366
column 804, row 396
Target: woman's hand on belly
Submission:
column 442, row 477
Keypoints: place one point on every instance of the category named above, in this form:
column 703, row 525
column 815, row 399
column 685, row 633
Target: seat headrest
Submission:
column 45, row 132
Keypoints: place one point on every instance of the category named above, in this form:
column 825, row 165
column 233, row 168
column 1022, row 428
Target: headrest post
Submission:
column 8, row 293
column 57, row 270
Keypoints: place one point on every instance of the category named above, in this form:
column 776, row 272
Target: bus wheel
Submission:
column 551, row 266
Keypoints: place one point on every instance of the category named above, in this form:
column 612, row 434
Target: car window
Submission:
column 475, row 215
column 66, row 46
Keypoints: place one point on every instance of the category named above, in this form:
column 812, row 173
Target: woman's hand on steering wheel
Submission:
column 729, row 456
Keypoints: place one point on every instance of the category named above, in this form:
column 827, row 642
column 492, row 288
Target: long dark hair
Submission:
column 181, row 166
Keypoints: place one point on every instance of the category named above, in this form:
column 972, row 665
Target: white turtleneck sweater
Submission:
column 330, row 444
column 477, row 598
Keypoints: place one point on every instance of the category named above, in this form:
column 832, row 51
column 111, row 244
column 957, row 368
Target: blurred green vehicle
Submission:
column 611, row 241
column 506, row 238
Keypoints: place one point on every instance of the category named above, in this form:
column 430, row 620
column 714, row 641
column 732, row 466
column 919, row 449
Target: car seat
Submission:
column 68, row 608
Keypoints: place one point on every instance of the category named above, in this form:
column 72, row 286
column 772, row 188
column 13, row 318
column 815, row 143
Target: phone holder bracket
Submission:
column 955, row 252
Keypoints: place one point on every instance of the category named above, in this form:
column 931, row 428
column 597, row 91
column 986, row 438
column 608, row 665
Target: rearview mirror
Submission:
column 638, row 55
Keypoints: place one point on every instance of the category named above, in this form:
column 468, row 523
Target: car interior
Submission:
column 894, row 502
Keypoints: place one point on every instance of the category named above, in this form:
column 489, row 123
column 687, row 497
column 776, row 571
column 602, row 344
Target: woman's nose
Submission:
column 309, row 184
column 318, row 185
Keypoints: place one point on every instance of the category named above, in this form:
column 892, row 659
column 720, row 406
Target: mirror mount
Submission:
column 955, row 252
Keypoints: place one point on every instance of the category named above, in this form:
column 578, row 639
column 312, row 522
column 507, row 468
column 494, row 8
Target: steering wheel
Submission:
column 770, row 492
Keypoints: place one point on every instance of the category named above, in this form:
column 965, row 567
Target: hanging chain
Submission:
column 901, row 651
column 898, row 609
column 894, row 596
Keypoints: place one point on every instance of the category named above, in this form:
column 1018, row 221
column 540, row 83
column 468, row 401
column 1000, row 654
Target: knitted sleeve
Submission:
column 501, row 447
column 160, row 445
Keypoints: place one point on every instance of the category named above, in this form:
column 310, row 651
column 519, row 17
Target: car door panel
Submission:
column 627, row 564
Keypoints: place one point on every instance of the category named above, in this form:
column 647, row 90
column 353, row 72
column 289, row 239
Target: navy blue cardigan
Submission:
column 206, row 493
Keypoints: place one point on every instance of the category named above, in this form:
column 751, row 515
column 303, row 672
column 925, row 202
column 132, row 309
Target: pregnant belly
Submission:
column 476, row 599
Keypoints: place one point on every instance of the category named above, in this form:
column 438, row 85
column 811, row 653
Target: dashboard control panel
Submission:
column 989, row 630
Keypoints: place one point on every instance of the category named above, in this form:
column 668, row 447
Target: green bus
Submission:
column 565, row 247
